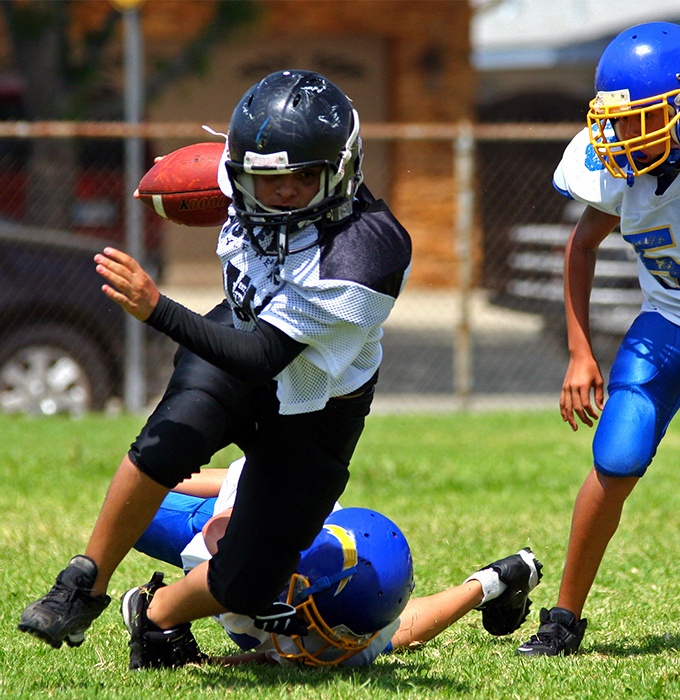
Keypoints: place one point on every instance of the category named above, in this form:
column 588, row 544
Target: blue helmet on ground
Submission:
column 353, row 581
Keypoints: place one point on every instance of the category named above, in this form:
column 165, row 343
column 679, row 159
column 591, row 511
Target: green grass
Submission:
column 466, row 489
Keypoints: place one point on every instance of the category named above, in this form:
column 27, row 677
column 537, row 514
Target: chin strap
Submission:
column 282, row 243
column 321, row 584
column 342, row 211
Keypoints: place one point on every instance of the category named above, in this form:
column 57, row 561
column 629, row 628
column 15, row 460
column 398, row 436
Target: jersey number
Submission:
column 665, row 268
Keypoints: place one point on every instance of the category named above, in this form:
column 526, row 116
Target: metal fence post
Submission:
column 135, row 360
column 463, row 148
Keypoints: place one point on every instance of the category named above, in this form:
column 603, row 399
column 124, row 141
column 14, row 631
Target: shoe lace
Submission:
column 59, row 594
column 548, row 634
column 63, row 593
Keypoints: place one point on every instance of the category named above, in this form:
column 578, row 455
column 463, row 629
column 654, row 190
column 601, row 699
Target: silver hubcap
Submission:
column 43, row 380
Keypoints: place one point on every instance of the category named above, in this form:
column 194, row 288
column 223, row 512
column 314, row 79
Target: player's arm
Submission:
column 203, row 484
column 255, row 356
column 583, row 373
column 424, row 618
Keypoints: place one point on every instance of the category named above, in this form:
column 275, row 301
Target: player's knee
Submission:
column 628, row 456
column 626, row 465
column 252, row 584
column 181, row 436
column 243, row 600
column 626, row 438
column 244, row 596
column 167, row 469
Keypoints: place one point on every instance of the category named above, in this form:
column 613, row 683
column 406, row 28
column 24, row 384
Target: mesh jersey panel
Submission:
column 327, row 296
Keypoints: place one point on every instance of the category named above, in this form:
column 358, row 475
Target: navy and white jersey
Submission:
column 333, row 296
column 650, row 218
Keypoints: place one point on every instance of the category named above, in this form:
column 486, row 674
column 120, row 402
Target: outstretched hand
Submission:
column 128, row 284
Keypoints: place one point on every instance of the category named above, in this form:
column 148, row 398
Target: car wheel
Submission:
column 51, row 369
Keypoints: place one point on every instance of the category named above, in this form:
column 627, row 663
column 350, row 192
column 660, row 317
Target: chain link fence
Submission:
column 497, row 336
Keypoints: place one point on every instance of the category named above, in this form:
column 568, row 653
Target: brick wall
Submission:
column 430, row 80
column 427, row 78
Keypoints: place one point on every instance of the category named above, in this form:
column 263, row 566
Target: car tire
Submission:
column 50, row 369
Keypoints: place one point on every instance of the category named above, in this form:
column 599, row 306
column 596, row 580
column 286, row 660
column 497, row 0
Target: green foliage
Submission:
column 78, row 73
column 465, row 488
column 195, row 57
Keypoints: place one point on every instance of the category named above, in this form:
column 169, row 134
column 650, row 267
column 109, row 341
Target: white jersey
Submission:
column 648, row 220
column 240, row 628
column 332, row 296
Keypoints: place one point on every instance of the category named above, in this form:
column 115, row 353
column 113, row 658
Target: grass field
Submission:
column 466, row 489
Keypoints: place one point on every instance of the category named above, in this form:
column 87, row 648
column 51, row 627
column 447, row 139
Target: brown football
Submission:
column 182, row 186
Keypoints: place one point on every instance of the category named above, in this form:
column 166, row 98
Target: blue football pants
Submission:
column 179, row 518
column 644, row 395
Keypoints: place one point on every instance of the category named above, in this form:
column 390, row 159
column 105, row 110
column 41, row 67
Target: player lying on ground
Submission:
column 351, row 588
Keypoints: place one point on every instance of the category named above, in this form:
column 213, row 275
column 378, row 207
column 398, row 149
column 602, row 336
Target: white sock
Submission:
column 492, row 586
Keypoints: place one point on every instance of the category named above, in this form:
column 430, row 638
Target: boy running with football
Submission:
column 285, row 367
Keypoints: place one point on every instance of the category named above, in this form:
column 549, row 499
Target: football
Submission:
column 182, row 186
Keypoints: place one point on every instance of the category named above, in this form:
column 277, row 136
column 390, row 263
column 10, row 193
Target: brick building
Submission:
column 400, row 61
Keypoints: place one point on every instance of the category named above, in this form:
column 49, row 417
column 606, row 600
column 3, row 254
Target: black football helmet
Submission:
column 291, row 120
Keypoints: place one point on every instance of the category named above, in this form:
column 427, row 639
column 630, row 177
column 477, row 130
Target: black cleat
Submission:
column 68, row 609
column 521, row 573
column 150, row 646
column 560, row 633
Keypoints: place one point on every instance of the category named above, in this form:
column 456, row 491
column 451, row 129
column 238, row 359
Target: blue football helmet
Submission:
column 638, row 77
column 291, row 120
column 353, row 581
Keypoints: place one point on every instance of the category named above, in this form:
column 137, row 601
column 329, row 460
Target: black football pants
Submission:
column 296, row 468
